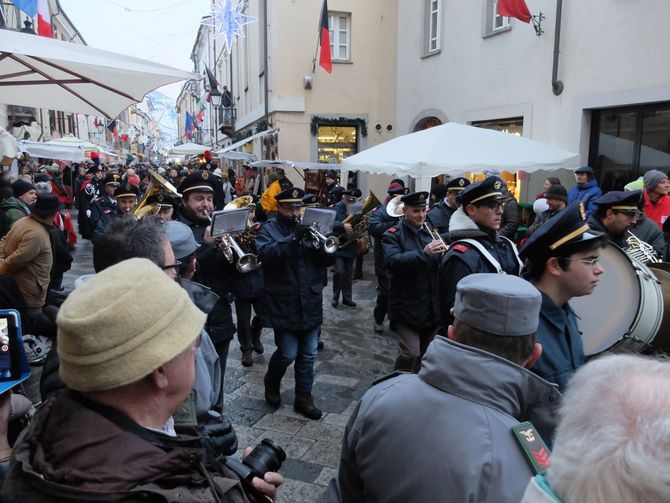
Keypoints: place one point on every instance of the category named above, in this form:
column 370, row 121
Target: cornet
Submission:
column 330, row 245
column 436, row 236
column 246, row 262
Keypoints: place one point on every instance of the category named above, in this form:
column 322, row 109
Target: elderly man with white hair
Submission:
column 613, row 439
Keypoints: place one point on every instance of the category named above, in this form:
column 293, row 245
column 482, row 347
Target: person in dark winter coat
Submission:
column 378, row 223
column 586, row 191
column 557, row 199
column 344, row 257
column 293, row 270
column 475, row 245
column 510, row 217
column 412, row 258
column 440, row 214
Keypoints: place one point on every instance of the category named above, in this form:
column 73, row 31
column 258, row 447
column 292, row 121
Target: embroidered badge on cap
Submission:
column 461, row 182
column 460, row 248
column 128, row 187
column 533, row 446
column 204, row 175
column 294, row 194
column 160, row 198
column 422, row 197
column 497, row 185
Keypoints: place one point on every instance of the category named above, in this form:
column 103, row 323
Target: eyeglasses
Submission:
column 631, row 213
column 494, row 205
column 176, row 265
column 588, row 261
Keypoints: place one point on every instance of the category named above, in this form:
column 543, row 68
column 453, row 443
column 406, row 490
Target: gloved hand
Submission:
column 300, row 231
column 221, row 436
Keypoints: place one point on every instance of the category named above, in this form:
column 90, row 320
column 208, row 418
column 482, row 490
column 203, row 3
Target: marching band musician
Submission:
column 440, row 214
column 412, row 258
column 379, row 222
column 197, row 192
column 126, row 195
column 247, row 287
column 616, row 212
column 562, row 263
column 293, row 299
column 344, row 257
column 476, row 245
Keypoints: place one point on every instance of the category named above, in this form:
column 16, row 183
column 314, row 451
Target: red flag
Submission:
column 514, row 8
column 325, row 59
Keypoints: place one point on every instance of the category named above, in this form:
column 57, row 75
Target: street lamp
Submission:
column 215, row 95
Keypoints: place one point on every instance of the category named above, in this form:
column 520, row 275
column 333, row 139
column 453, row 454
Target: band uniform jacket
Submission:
column 348, row 251
column 562, row 349
column 439, row 215
column 463, row 404
column 463, row 259
column 104, row 205
column 412, row 274
column 378, row 223
column 293, row 272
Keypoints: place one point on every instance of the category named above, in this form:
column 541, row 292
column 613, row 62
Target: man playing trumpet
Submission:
column 412, row 258
column 293, row 299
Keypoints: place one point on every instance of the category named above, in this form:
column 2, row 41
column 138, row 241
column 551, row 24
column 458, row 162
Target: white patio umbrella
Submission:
column 189, row 149
column 71, row 140
column 43, row 72
column 455, row 149
column 47, row 150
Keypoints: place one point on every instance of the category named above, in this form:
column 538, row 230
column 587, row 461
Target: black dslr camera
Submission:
column 266, row 457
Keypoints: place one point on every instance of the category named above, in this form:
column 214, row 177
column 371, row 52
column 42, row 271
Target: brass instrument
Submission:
column 641, row 250
column 436, row 236
column 157, row 185
column 329, row 244
column 243, row 244
column 358, row 221
column 394, row 207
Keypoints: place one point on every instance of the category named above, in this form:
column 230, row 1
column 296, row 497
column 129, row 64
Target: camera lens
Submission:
column 266, row 457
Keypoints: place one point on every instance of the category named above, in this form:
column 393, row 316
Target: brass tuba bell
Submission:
column 157, row 185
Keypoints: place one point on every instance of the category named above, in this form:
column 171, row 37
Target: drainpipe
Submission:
column 557, row 85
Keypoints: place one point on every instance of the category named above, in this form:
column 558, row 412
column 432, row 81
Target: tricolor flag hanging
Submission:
column 514, row 8
column 188, row 125
column 39, row 11
column 114, row 128
column 200, row 116
column 325, row 58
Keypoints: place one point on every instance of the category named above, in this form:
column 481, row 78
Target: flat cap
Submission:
column 415, row 199
column 198, row 181
column 126, row 190
column 181, row 238
column 458, row 183
column 397, row 189
column 567, row 227
column 585, row 169
column 499, row 304
column 620, row 200
column 290, row 197
column 489, row 189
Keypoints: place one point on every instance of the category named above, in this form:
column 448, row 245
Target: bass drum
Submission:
column 662, row 272
column 625, row 311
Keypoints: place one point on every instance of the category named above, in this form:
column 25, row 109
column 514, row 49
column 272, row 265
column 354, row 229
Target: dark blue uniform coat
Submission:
column 413, row 276
column 378, row 223
column 293, row 276
column 348, row 251
column 438, row 217
column 562, row 350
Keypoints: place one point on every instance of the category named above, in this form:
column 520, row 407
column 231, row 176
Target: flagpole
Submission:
column 318, row 43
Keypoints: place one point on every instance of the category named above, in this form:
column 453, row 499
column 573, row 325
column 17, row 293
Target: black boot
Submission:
column 272, row 393
column 304, row 404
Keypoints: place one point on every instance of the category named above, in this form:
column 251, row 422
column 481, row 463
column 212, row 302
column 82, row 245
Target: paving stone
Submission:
column 295, row 491
column 336, row 419
column 325, row 476
column 280, row 423
column 324, row 452
column 322, row 431
column 300, row 470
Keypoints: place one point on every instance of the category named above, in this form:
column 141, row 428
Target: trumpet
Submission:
column 246, row 262
column 436, row 236
column 330, row 245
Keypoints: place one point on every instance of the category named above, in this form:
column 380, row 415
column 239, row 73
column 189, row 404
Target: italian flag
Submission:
column 44, row 19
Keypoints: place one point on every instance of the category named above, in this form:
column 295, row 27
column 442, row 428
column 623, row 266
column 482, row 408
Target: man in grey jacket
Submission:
column 445, row 434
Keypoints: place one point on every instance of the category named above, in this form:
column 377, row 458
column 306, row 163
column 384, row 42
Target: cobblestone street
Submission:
column 352, row 358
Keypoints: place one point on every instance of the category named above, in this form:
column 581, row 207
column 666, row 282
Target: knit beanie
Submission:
column 107, row 345
column 557, row 192
column 20, row 187
column 652, row 178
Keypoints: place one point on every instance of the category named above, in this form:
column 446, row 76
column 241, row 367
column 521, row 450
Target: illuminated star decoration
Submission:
column 227, row 20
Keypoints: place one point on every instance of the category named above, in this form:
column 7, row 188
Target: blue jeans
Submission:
column 298, row 346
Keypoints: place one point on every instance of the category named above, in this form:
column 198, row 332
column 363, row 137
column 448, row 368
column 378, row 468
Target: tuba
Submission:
column 359, row 221
column 157, row 185
column 394, row 207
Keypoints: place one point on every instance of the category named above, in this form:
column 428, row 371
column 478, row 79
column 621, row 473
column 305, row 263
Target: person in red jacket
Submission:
column 656, row 198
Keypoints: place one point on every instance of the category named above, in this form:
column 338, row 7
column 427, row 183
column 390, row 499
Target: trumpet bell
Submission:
column 331, row 245
column 157, row 185
column 247, row 263
column 394, row 207
column 239, row 202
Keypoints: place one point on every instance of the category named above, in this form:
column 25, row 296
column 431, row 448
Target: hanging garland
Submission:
column 342, row 121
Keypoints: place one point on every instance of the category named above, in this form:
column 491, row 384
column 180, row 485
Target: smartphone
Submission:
column 14, row 367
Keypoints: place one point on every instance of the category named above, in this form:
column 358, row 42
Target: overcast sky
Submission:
column 160, row 30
